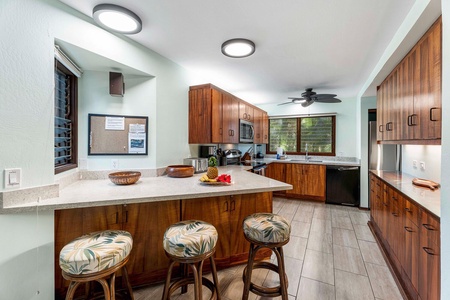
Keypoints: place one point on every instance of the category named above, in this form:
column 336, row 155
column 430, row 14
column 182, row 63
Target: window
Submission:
column 293, row 134
column 65, row 118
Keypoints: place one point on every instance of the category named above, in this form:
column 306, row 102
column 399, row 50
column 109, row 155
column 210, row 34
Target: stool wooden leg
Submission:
column 106, row 289
column 248, row 272
column 165, row 295
column 281, row 272
column 112, row 286
column 214, row 275
column 71, row 290
column 197, row 288
column 127, row 282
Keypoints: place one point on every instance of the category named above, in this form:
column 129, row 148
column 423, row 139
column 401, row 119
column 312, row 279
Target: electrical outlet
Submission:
column 13, row 178
column 114, row 164
column 415, row 164
column 422, row 165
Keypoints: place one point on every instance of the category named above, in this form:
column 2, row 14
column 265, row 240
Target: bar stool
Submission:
column 191, row 243
column 266, row 230
column 96, row 257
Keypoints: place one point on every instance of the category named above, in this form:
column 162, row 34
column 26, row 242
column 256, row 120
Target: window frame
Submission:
column 74, row 118
column 333, row 138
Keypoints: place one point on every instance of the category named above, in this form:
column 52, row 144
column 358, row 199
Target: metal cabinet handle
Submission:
column 409, row 120
column 409, row 229
column 395, row 214
column 380, row 128
column 431, row 114
column 389, row 126
column 428, row 227
column 226, row 205
column 233, row 205
column 408, row 210
column 413, row 119
column 245, row 115
column 429, row 251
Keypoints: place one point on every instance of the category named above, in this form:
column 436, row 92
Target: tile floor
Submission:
column 332, row 254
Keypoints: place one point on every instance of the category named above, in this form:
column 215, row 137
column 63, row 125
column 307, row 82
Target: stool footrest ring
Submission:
column 184, row 281
column 261, row 290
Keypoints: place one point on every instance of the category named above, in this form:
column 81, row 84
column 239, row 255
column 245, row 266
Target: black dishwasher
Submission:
column 343, row 185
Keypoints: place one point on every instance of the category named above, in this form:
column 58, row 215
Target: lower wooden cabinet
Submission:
column 277, row 171
column 308, row 181
column 410, row 237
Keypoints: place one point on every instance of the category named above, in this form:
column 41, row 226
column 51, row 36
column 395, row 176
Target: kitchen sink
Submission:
column 311, row 160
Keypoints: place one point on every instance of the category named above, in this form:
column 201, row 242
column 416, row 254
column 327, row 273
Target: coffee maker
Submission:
column 207, row 151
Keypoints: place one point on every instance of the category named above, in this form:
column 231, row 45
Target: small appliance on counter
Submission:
column 207, row 151
column 259, row 153
column 200, row 164
column 233, row 156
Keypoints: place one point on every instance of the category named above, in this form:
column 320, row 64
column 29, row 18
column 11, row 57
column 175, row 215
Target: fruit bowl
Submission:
column 124, row 177
column 180, row 171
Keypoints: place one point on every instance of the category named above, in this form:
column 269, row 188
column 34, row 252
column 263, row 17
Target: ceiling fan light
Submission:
column 238, row 48
column 117, row 18
column 297, row 101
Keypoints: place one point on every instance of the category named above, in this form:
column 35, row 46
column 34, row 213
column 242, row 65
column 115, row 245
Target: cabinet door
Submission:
column 258, row 126
column 230, row 116
column 216, row 117
column 410, row 259
column 215, row 211
column 278, row 172
column 408, row 118
column 429, row 258
column 294, row 176
column 240, row 207
column 200, row 116
column 102, row 218
column 380, row 111
column 246, row 112
column 147, row 223
column 265, row 128
column 314, row 181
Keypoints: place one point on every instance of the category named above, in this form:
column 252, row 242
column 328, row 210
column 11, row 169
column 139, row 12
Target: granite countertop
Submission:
column 88, row 193
column 425, row 197
column 313, row 161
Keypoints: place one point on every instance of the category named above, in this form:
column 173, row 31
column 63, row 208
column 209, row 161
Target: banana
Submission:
column 205, row 178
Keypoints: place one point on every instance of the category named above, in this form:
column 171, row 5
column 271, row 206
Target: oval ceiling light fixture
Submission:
column 117, row 18
column 238, row 48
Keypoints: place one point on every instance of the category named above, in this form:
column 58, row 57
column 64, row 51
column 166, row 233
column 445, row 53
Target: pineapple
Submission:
column 212, row 172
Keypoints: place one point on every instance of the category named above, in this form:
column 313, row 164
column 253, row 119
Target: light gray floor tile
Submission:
column 318, row 266
column 351, row 286
column 323, row 213
column 303, row 215
column 293, row 271
column 344, row 237
column 383, row 285
column 320, row 241
column 363, row 233
column 318, row 225
column 300, row 229
column 315, row 290
column 348, row 259
column 290, row 207
column 371, row 253
column 341, row 222
column 359, row 218
column 296, row 247
column 339, row 211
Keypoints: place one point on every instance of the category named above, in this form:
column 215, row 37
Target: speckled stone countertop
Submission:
column 425, row 197
column 317, row 160
column 88, row 193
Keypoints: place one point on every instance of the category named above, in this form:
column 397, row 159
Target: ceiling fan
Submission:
column 309, row 97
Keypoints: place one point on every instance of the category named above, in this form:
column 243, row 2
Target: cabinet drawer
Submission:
column 411, row 212
column 431, row 228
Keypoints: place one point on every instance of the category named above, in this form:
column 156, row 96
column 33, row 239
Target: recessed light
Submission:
column 238, row 48
column 117, row 18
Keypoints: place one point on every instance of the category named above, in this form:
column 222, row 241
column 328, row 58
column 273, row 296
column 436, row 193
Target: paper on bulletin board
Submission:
column 136, row 142
column 137, row 128
column 114, row 123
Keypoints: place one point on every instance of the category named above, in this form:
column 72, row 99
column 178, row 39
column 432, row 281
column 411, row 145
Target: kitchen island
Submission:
column 148, row 207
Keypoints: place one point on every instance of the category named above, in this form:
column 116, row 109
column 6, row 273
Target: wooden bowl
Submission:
column 125, row 177
column 180, row 171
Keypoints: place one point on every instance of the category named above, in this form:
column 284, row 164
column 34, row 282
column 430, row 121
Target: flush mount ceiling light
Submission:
column 238, row 48
column 117, row 18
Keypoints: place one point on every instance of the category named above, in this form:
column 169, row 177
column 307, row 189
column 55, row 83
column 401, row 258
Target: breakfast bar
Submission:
column 148, row 207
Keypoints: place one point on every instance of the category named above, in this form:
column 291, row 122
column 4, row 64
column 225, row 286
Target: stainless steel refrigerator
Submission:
column 381, row 156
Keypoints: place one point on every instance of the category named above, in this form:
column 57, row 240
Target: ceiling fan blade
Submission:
column 295, row 98
column 290, row 102
column 307, row 103
column 328, row 100
column 321, row 96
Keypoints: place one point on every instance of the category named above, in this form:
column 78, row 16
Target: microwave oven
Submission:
column 246, row 132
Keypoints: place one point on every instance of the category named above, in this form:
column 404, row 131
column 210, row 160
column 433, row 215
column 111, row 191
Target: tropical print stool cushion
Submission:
column 190, row 238
column 266, row 228
column 95, row 252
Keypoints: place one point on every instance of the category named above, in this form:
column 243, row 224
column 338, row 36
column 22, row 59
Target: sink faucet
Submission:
column 307, row 158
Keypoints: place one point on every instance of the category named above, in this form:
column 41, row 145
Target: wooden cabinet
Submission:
column 214, row 116
column 277, row 171
column 147, row 262
column 246, row 112
column 410, row 237
column 265, row 128
column 308, row 181
column 258, row 126
column 227, row 214
column 409, row 99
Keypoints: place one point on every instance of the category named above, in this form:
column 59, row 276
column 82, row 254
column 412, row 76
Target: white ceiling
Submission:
column 331, row 46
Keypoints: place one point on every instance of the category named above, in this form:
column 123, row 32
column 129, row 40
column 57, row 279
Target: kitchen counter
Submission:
column 313, row 161
column 91, row 193
column 425, row 197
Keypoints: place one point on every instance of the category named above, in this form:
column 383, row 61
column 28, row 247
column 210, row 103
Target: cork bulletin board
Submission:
column 117, row 135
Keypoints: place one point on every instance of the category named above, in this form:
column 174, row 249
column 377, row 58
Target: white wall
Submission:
column 346, row 120
column 28, row 30
column 430, row 155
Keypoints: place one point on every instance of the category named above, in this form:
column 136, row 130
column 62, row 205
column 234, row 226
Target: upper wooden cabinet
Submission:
column 409, row 99
column 246, row 112
column 214, row 116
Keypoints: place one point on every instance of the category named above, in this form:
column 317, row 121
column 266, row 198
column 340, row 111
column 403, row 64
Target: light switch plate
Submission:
column 13, row 178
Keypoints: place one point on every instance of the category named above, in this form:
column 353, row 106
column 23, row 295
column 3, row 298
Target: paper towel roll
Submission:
column 280, row 151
